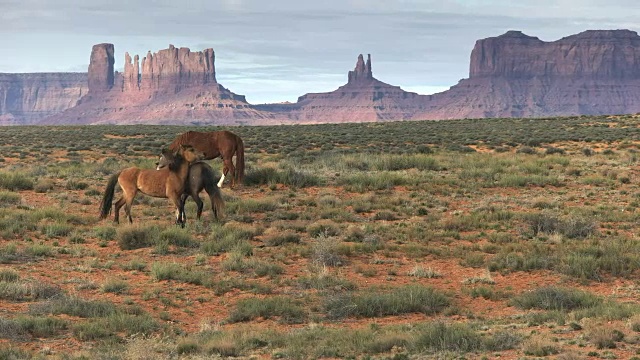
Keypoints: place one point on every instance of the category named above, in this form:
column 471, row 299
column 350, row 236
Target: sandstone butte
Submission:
column 511, row 75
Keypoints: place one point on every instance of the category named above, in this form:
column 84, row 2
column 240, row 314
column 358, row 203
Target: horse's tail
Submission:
column 239, row 176
column 107, row 198
column 217, row 203
column 215, row 196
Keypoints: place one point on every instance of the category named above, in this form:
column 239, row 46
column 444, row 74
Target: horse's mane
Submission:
column 175, row 159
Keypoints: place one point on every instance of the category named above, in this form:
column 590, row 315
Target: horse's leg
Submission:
column 127, row 207
column 229, row 168
column 199, row 203
column 224, row 171
column 183, row 213
column 118, row 204
column 177, row 202
column 129, row 191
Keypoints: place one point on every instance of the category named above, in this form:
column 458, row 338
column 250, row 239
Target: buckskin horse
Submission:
column 213, row 144
column 168, row 180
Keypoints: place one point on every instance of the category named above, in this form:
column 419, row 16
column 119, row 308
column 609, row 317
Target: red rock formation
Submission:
column 174, row 86
column 101, row 76
column 362, row 73
column 514, row 75
column 607, row 54
column 362, row 98
column 172, row 69
column 511, row 75
column 27, row 98
column 131, row 81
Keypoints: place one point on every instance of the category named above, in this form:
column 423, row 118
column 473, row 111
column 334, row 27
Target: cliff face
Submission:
column 595, row 72
column 604, row 54
column 27, row 98
column 511, row 75
column 100, row 71
column 171, row 86
column 362, row 98
column 173, row 69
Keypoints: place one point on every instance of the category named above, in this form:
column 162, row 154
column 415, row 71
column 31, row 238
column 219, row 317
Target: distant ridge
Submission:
column 594, row 72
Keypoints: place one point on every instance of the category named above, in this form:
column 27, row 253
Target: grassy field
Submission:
column 466, row 239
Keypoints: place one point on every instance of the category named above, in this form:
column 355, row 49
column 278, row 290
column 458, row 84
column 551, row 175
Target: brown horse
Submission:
column 215, row 144
column 166, row 181
column 201, row 176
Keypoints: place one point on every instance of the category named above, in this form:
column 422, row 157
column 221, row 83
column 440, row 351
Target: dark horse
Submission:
column 201, row 176
column 166, row 181
column 215, row 144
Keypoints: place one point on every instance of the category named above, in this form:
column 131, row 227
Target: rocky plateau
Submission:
column 512, row 75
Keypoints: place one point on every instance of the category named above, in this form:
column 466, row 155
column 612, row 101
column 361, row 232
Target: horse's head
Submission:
column 190, row 154
column 185, row 153
column 167, row 158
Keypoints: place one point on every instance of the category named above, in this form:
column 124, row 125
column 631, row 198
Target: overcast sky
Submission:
column 277, row 50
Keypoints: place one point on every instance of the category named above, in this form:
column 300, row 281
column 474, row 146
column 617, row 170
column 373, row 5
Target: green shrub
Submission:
column 173, row 271
column 550, row 150
column 56, row 230
column 135, row 237
column 41, row 326
column 236, row 262
column 288, row 310
column 229, row 237
column 526, row 150
column 44, row 185
column 177, row 237
column 282, row 239
column 90, row 331
column 21, row 291
column 251, row 206
column 15, row 181
column 288, row 176
column 74, row 306
column 326, row 281
column 325, row 251
column 115, row 286
column 187, row 347
column 555, row 298
column 261, row 176
column 383, row 180
column 323, row 228
column 571, row 227
column 39, row 250
column 407, row 299
column 587, row 151
column 298, row 179
column 404, row 162
column 447, row 337
column 76, row 185
column 8, row 275
column 105, row 232
column 539, row 347
column 385, row 215
column 9, row 198
column 534, row 260
column 609, row 311
column 134, row 265
column 420, row 271
column 14, row 353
